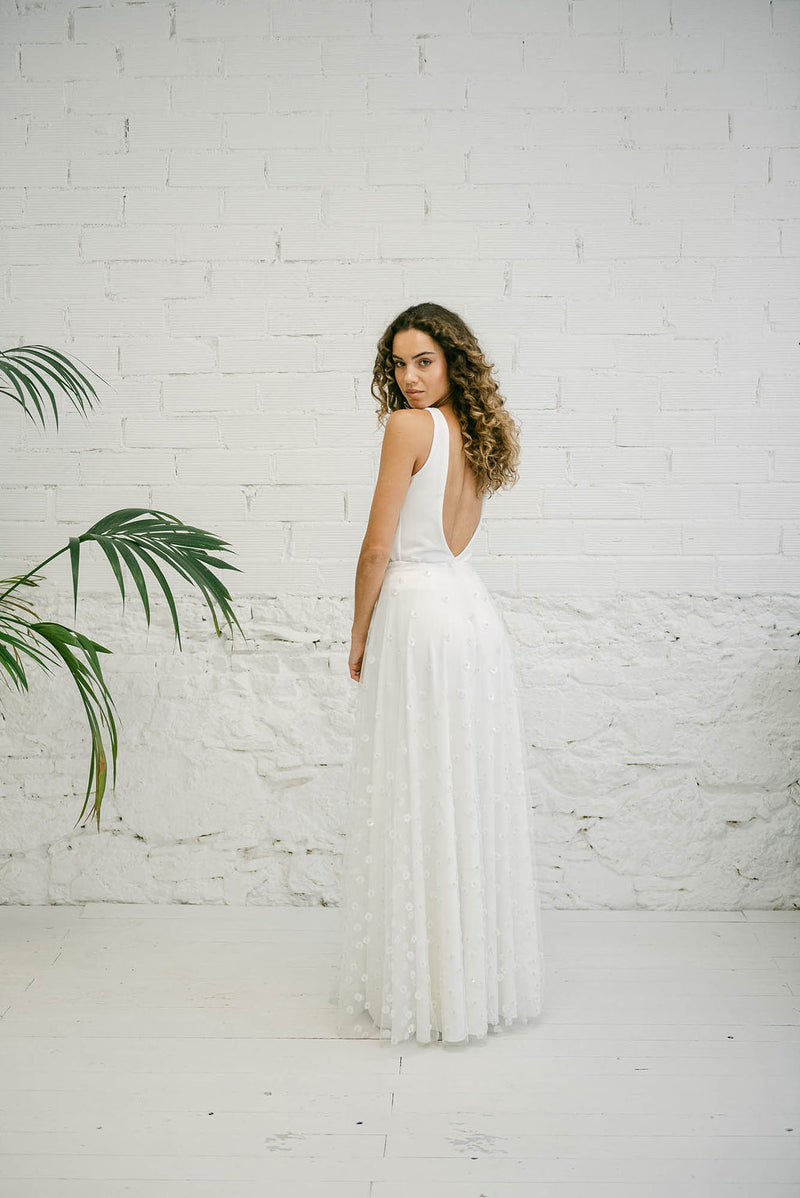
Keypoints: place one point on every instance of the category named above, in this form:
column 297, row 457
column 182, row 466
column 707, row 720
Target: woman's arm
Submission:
column 370, row 573
column 401, row 446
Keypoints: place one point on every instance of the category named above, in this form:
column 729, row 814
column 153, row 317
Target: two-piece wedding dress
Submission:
column 441, row 930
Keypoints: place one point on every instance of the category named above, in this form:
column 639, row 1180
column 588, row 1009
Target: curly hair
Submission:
column 490, row 434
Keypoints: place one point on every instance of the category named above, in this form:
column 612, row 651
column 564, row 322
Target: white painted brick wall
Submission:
column 219, row 206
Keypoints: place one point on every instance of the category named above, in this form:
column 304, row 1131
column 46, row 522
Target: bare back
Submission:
column 462, row 507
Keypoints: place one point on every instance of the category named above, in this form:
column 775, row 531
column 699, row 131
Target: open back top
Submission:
column 419, row 535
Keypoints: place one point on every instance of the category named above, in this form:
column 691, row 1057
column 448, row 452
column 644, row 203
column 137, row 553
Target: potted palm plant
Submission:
column 31, row 375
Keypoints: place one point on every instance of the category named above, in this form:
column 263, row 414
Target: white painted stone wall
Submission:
column 219, row 207
column 663, row 761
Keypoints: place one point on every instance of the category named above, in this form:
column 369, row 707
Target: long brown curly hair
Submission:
column 490, row 434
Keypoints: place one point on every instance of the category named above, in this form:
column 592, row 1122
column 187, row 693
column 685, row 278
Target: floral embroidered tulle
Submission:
column 440, row 918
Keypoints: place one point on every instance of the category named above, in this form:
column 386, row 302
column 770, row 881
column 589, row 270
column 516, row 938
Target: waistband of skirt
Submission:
column 414, row 564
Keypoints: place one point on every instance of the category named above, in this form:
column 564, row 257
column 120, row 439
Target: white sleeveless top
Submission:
column 419, row 536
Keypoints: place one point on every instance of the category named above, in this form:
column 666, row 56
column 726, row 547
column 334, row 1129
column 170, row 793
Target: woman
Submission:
column 440, row 914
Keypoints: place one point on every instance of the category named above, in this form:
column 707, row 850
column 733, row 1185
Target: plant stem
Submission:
column 33, row 571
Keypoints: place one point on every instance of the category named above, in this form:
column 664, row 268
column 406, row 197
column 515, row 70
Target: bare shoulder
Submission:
column 407, row 424
column 407, row 417
column 407, row 435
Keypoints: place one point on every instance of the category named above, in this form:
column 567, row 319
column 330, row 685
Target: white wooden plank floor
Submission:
column 177, row 1051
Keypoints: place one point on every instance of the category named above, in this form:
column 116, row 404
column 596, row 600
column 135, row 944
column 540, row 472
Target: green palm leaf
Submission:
column 125, row 534
column 16, row 637
column 28, row 370
column 134, row 537
column 94, row 694
column 181, row 546
column 19, row 635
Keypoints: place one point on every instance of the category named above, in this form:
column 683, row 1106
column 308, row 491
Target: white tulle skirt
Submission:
column 440, row 931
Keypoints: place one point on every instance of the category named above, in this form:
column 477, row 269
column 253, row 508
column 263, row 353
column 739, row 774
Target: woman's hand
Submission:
column 357, row 646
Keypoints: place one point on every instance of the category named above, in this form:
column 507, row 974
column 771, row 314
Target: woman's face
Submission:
column 420, row 369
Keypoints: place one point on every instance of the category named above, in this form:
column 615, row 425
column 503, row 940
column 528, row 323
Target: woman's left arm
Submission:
column 398, row 455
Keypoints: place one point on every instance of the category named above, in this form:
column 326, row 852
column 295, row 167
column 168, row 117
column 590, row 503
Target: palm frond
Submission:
column 16, row 637
column 94, row 694
column 29, row 369
column 18, row 603
column 27, row 374
column 131, row 534
column 182, row 546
